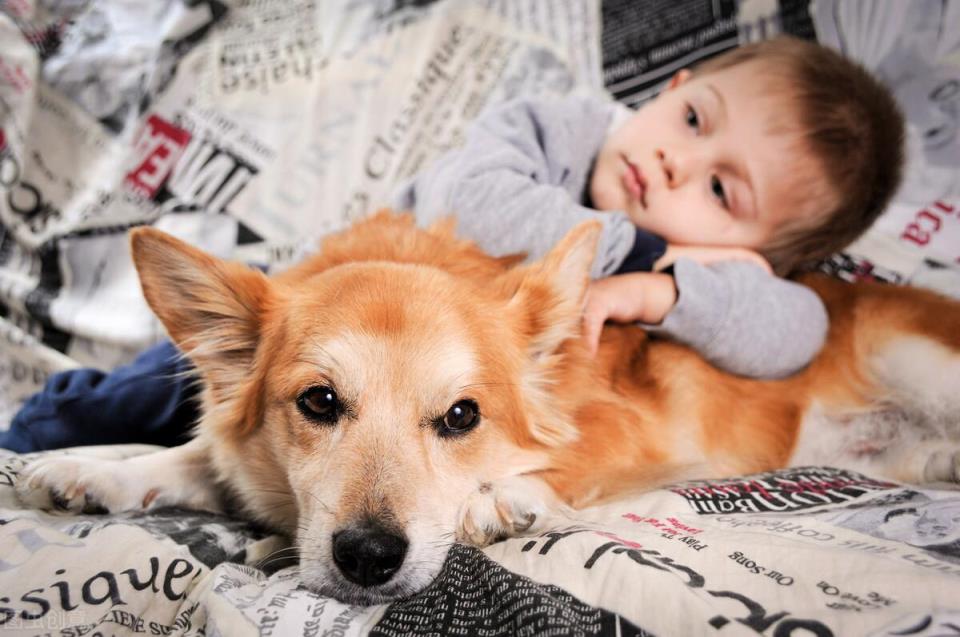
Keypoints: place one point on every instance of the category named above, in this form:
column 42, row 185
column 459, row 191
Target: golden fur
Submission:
column 404, row 322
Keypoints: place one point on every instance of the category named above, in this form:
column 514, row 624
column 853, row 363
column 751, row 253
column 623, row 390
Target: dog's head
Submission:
column 358, row 399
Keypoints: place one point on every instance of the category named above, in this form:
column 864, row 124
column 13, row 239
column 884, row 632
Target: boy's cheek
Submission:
column 605, row 190
column 667, row 225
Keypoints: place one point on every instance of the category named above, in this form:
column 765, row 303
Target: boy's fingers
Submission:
column 593, row 320
column 591, row 335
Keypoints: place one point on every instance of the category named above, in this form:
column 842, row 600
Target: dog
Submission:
column 402, row 390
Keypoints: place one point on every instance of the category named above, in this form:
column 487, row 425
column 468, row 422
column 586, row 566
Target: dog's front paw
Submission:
column 79, row 485
column 502, row 509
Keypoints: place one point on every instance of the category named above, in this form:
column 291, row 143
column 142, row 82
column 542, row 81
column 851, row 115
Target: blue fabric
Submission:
column 152, row 400
column 647, row 248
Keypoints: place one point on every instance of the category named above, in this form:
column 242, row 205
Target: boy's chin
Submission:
column 640, row 217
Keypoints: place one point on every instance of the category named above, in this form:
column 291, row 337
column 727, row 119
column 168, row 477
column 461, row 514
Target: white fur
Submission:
column 180, row 475
column 441, row 366
column 911, row 434
column 506, row 508
column 923, row 377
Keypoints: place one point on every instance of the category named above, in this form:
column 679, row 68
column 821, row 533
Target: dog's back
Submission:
column 883, row 396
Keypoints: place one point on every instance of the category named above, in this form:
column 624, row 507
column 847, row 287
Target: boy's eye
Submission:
column 716, row 186
column 693, row 121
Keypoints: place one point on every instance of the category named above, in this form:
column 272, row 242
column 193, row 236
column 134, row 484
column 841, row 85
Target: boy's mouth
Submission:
column 634, row 182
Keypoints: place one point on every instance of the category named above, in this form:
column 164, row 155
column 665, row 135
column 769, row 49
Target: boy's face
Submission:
column 700, row 165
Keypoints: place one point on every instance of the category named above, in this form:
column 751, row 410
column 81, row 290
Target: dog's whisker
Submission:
column 481, row 385
column 323, row 505
column 274, row 506
column 269, row 490
column 275, row 557
column 279, row 555
column 265, row 565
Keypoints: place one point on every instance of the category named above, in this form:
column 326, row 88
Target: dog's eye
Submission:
column 462, row 416
column 320, row 404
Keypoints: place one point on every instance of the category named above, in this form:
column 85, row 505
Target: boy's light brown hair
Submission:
column 850, row 124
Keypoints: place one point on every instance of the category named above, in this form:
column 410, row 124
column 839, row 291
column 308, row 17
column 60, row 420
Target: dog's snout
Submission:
column 368, row 556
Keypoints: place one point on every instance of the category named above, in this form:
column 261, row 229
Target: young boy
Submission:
column 783, row 149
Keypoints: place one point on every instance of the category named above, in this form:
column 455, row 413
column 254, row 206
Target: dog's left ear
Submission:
column 550, row 297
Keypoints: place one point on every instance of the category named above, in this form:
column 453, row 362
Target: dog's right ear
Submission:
column 550, row 297
column 211, row 308
column 547, row 308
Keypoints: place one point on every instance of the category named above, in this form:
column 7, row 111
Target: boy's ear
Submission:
column 680, row 77
column 212, row 309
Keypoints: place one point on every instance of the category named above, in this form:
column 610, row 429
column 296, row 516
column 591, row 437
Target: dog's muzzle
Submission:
column 368, row 555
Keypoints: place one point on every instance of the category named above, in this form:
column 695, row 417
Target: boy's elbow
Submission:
column 806, row 338
column 815, row 325
column 788, row 341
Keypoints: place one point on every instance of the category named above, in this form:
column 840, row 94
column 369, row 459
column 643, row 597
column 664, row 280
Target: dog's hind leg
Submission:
column 77, row 483
column 909, row 340
column 886, row 387
column 921, row 377
column 918, row 372
column 930, row 461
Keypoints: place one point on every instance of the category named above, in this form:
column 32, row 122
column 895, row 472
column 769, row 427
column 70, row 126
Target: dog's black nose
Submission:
column 368, row 556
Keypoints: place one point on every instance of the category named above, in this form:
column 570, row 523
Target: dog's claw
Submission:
column 528, row 521
column 92, row 507
column 59, row 501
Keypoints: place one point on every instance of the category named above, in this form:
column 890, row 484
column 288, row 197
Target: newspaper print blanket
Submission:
column 252, row 127
column 803, row 551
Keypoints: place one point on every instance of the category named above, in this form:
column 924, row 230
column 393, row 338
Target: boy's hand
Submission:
column 636, row 296
column 706, row 255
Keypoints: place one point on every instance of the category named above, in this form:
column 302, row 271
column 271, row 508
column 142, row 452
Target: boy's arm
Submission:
column 706, row 255
column 744, row 320
column 515, row 184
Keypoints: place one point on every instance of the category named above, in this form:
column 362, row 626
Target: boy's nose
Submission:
column 667, row 167
column 676, row 167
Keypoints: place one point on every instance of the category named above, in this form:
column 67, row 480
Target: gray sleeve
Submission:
column 744, row 320
column 515, row 184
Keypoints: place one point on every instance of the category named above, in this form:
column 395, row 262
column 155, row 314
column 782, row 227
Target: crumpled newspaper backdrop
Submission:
column 252, row 127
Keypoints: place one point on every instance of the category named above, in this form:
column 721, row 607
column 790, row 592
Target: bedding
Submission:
column 798, row 551
column 251, row 129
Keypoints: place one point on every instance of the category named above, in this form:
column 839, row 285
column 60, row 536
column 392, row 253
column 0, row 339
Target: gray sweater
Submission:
column 516, row 185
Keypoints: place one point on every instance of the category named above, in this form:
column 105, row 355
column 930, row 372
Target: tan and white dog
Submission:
column 401, row 390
